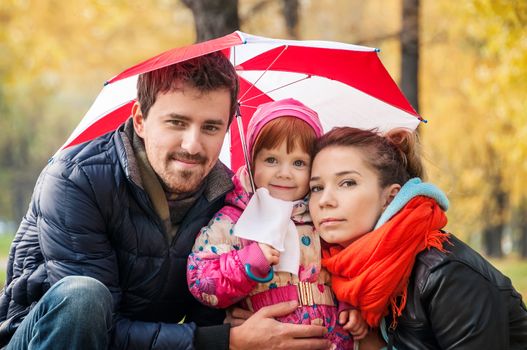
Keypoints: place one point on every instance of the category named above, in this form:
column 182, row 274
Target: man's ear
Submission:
column 138, row 119
column 389, row 194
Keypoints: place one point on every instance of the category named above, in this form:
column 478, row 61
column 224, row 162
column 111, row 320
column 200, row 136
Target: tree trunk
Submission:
column 495, row 212
column 523, row 241
column 214, row 18
column 522, row 228
column 492, row 241
column 410, row 51
column 291, row 8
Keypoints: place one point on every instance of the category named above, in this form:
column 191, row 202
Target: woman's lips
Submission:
column 330, row 222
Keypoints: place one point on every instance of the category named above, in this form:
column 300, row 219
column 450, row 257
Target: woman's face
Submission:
column 346, row 199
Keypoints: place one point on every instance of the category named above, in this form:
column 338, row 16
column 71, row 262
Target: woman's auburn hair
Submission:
column 394, row 156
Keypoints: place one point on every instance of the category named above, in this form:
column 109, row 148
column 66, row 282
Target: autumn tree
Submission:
column 52, row 66
column 477, row 67
column 410, row 51
column 214, row 18
column 291, row 10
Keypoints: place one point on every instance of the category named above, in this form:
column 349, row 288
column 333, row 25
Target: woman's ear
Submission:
column 389, row 194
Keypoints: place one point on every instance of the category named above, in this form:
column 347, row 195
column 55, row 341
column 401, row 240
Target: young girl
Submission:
column 225, row 269
column 390, row 256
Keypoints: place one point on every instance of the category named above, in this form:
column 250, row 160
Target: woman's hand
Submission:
column 352, row 321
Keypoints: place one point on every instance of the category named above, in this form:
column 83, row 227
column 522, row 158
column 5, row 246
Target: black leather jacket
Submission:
column 458, row 300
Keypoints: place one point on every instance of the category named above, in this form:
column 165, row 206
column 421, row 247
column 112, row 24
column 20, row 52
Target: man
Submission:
column 99, row 260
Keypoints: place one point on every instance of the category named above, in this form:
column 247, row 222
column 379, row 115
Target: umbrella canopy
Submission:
column 346, row 84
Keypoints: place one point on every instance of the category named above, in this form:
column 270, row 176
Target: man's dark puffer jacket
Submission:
column 457, row 300
column 88, row 217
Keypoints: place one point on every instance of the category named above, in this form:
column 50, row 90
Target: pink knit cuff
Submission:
column 253, row 255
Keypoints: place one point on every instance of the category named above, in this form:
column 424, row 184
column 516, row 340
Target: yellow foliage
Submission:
column 55, row 56
column 474, row 69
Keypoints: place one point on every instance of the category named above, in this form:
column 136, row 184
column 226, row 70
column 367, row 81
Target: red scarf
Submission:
column 372, row 272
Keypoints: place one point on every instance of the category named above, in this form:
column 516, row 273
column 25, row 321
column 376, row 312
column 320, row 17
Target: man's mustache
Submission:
column 187, row 157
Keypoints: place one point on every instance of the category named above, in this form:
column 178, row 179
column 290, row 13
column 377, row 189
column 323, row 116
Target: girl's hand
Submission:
column 272, row 255
column 352, row 321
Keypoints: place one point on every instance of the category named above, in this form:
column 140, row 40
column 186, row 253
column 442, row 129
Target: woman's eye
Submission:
column 348, row 183
column 315, row 188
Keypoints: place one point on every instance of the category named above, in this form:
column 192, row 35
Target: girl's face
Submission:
column 346, row 199
column 285, row 175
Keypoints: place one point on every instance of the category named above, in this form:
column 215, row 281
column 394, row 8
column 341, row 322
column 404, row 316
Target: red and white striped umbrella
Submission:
column 346, row 84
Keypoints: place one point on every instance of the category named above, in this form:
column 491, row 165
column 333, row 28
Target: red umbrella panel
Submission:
column 346, row 84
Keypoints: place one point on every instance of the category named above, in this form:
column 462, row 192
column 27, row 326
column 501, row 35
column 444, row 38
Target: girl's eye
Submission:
column 348, row 183
column 271, row 160
column 299, row 163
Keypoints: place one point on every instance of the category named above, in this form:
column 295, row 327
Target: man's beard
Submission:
column 185, row 181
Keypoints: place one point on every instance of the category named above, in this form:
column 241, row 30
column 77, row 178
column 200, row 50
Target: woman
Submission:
column 389, row 256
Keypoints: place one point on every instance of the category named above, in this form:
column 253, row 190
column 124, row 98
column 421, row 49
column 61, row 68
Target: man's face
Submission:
column 183, row 134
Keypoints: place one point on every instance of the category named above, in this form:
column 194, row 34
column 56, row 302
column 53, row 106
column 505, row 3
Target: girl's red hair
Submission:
column 295, row 132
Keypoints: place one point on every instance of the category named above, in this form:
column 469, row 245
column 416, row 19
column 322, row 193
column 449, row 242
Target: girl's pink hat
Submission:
column 276, row 109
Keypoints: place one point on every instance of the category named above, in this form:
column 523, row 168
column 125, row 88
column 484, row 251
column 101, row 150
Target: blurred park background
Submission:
column 462, row 64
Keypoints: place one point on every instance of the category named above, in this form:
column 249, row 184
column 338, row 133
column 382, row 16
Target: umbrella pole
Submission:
column 244, row 147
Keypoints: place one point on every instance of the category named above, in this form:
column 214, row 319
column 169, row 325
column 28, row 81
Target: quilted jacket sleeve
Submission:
column 216, row 267
column 74, row 241
column 72, row 229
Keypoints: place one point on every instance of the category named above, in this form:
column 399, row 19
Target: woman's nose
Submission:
column 327, row 199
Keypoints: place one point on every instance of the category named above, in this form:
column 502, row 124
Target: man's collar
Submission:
column 127, row 135
column 218, row 182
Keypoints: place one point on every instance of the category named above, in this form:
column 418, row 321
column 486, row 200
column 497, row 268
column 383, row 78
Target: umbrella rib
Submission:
column 265, row 71
column 278, row 88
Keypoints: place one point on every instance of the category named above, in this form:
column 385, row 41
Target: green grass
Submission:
column 516, row 270
column 5, row 243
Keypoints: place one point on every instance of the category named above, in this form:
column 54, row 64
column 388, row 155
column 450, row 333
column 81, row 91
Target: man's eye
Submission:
column 176, row 122
column 211, row 128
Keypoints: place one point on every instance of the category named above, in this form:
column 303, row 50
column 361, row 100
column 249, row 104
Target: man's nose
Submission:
column 192, row 141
